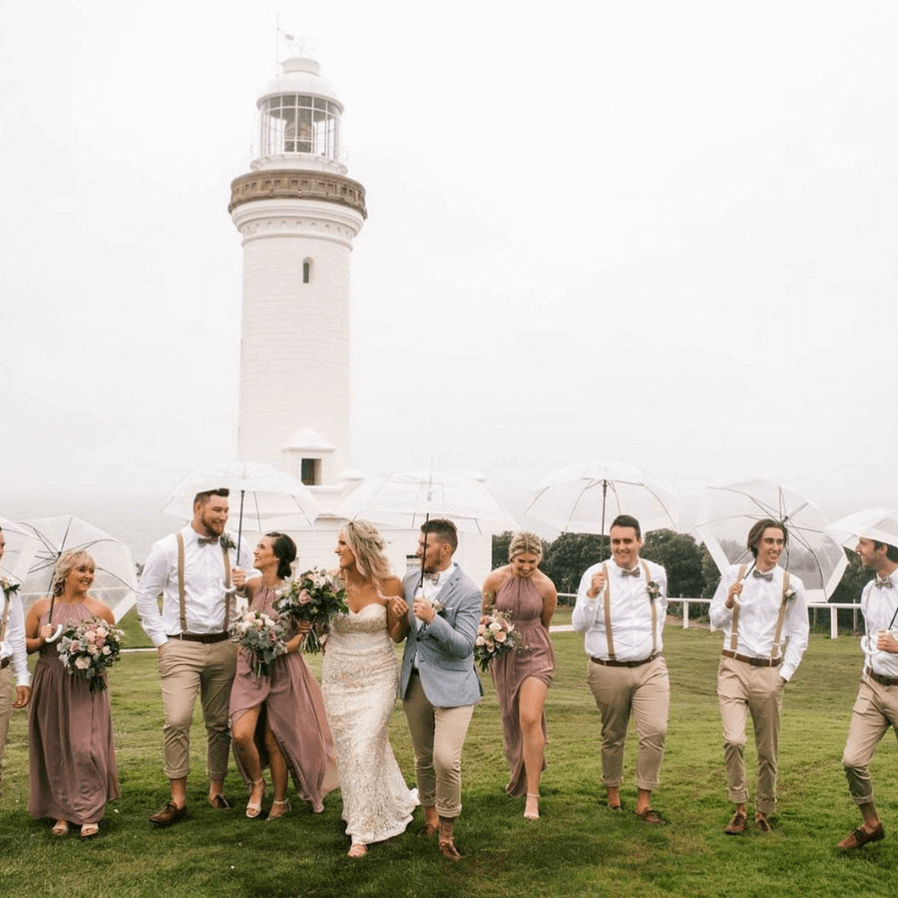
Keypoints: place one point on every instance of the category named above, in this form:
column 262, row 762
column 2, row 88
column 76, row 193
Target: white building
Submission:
column 298, row 214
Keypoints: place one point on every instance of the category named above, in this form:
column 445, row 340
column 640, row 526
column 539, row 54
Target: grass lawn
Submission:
column 578, row 847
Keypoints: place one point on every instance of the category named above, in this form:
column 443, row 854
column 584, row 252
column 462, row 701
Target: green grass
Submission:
column 577, row 848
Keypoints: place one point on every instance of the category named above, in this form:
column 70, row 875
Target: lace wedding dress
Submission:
column 359, row 678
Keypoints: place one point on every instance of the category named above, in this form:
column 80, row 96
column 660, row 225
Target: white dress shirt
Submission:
column 878, row 606
column 204, row 586
column 14, row 640
column 759, row 608
column 631, row 612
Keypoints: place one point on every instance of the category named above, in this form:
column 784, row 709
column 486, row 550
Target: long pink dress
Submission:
column 533, row 657
column 71, row 756
column 292, row 704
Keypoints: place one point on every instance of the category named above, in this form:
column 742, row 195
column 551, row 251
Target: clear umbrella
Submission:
column 270, row 499
column 116, row 577
column 406, row 499
column 812, row 553
column 587, row 498
column 880, row 524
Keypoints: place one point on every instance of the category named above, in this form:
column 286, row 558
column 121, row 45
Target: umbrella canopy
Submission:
column 811, row 553
column 405, row 500
column 19, row 552
column 587, row 498
column 116, row 576
column 269, row 498
column 880, row 524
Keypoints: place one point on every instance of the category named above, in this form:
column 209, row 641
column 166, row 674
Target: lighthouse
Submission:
column 298, row 214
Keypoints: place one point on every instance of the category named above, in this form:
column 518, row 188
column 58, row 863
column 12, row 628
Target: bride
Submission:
column 359, row 679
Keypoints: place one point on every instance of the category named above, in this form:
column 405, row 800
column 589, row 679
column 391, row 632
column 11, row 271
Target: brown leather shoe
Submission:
column 428, row 829
column 651, row 816
column 449, row 851
column 762, row 825
column 220, row 803
column 737, row 824
column 859, row 837
column 169, row 815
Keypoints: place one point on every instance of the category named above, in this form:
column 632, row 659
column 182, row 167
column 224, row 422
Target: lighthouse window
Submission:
column 310, row 473
column 307, row 271
column 293, row 123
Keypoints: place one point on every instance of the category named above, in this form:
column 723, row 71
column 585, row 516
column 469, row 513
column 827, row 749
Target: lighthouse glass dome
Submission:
column 299, row 123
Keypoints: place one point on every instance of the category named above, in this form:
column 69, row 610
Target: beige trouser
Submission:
column 644, row 692
column 742, row 687
column 438, row 735
column 7, row 697
column 186, row 669
column 875, row 710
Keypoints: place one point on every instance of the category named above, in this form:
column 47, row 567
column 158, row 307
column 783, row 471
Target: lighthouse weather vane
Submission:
column 293, row 45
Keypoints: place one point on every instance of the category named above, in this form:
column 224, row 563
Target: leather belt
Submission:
column 610, row 663
column 4, row 664
column 205, row 638
column 883, row 681
column 754, row 662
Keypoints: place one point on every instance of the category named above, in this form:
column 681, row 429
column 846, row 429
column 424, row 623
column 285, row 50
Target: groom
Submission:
column 438, row 686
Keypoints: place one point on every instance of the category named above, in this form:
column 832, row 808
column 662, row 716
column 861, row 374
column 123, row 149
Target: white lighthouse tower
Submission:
column 298, row 215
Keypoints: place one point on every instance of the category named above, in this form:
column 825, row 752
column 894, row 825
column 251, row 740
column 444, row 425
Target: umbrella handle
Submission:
column 55, row 634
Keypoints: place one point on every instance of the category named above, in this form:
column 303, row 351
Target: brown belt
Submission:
column 205, row 638
column 4, row 664
column 883, row 681
column 754, row 662
column 610, row 663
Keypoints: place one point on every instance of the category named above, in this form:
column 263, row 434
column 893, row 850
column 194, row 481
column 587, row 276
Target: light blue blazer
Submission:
column 445, row 647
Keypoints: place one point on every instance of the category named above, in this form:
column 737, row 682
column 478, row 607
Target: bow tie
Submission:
column 207, row 540
column 634, row 573
column 762, row 575
column 884, row 582
column 432, row 578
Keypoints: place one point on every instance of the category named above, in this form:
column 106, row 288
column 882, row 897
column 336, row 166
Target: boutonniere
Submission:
column 9, row 588
column 226, row 542
column 438, row 606
column 789, row 594
column 654, row 590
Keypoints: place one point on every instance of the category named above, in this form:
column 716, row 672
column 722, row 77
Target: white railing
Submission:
column 832, row 607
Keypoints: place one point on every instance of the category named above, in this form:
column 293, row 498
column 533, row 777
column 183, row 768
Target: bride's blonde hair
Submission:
column 367, row 546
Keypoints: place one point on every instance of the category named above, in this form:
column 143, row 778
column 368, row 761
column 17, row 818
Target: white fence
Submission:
column 833, row 609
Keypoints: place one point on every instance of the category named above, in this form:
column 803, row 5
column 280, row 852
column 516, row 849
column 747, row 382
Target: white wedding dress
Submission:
column 359, row 679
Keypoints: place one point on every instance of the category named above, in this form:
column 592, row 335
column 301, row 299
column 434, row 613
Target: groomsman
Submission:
column 876, row 708
column 192, row 569
column 621, row 607
column 758, row 607
column 12, row 657
column 438, row 684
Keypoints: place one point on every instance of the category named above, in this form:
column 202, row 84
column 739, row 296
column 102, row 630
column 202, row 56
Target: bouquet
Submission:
column 88, row 648
column 495, row 636
column 262, row 637
column 315, row 596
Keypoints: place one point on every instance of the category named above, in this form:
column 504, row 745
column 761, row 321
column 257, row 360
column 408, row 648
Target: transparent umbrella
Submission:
column 812, row 553
column 269, row 498
column 406, row 499
column 880, row 524
column 587, row 498
column 116, row 576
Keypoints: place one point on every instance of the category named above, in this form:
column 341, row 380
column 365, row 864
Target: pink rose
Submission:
column 304, row 597
column 500, row 636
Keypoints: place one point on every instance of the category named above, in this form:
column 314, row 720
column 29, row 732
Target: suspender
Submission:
column 776, row 648
column 6, row 601
column 606, row 601
column 182, row 604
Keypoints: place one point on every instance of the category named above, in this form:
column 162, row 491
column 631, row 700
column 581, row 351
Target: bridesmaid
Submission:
column 71, row 758
column 279, row 719
column 522, row 677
